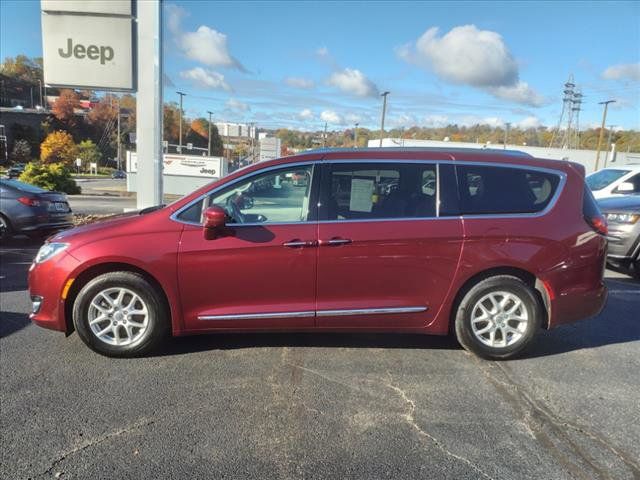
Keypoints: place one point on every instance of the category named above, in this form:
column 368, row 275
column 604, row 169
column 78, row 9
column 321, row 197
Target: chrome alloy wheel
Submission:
column 118, row 316
column 499, row 319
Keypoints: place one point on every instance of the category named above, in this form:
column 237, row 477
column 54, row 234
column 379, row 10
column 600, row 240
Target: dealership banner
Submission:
column 185, row 165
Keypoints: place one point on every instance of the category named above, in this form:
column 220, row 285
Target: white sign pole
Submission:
column 149, row 103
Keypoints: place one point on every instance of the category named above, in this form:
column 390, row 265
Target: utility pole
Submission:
column 384, row 111
column 604, row 120
column 40, row 91
column 31, row 91
column 180, row 139
column 506, row 134
column 252, row 133
column 355, row 136
column 209, row 142
column 118, row 157
column 324, row 137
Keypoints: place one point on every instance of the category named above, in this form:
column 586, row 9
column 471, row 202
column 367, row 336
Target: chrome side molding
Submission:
column 369, row 311
column 257, row 316
column 319, row 313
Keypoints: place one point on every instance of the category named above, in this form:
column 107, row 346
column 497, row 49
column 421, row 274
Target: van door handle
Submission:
column 298, row 243
column 336, row 241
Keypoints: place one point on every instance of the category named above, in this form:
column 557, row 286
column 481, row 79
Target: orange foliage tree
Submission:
column 64, row 107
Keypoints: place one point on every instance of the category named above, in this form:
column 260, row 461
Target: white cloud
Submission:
column 209, row 47
column 353, row 82
column 529, row 122
column 174, row 16
column 625, row 71
column 299, row 82
column 322, row 52
column 205, row 45
column 306, row 114
column 330, row 116
column 521, row 93
column 234, row 104
column 206, row 78
column 471, row 120
column 402, row 120
column 469, row 56
column 353, row 118
column 436, row 121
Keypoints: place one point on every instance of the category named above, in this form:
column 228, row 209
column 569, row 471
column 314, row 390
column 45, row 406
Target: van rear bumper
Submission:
column 574, row 306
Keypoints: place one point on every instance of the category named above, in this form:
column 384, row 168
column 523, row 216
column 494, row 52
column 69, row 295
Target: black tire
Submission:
column 5, row 228
column 157, row 319
column 469, row 303
column 636, row 270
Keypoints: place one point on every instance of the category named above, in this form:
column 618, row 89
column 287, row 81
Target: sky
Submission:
column 301, row 64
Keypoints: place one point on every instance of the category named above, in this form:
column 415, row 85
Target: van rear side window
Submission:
column 487, row 190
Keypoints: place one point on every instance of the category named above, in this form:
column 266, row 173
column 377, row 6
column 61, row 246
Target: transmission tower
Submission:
column 567, row 100
column 576, row 106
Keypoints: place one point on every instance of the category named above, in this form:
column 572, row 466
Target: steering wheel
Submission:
column 236, row 213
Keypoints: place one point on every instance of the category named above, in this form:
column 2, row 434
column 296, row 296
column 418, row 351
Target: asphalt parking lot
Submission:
column 319, row 406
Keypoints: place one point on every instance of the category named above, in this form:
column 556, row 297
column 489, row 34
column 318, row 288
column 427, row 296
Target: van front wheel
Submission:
column 120, row 314
column 498, row 318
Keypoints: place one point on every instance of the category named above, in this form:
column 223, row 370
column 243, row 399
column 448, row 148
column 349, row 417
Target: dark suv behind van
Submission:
column 489, row 245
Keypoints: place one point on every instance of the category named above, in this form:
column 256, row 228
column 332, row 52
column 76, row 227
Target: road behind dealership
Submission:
column 319, row 406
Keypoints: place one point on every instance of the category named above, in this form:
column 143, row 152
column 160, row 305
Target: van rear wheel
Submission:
column 498, row 317
column 120, row 314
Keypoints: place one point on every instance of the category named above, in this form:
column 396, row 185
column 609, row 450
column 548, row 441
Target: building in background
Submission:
column 236, row 130
column 270, row 148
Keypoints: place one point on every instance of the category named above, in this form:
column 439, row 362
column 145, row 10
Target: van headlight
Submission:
column 49, row 250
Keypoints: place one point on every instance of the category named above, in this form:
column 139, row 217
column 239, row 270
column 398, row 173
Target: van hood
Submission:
column 119, row 221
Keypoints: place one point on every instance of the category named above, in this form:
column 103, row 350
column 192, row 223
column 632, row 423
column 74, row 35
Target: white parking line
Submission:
column 633, row 292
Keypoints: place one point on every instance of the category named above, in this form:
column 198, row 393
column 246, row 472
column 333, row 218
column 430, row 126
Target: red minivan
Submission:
column 489, row 245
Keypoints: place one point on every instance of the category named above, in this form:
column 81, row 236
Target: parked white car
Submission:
column 615, row 181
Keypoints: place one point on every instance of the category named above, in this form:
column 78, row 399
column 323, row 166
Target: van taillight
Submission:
column 30, row 202
column 592, row 214
column 599, row 224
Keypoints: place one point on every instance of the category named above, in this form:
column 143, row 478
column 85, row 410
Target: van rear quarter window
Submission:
column 487, row 190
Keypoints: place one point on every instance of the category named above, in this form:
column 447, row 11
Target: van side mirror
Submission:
column 626, row 187
column 215, row 218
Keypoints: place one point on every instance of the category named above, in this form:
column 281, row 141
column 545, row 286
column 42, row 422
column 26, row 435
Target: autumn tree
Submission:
column 58, row 147
column 88, row 152
column 171, row 122
column 21, row 151
column 64, row 108
column 22, row 68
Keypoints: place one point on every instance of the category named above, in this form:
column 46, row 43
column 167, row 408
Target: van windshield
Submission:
column 599, row 180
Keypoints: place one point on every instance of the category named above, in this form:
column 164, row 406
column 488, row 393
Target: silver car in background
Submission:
column 623, row 217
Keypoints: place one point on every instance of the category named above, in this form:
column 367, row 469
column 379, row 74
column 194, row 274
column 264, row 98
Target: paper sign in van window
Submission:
column 361, row 195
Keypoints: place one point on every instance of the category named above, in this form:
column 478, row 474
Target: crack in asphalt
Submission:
column 93, row 442
column 536, row 416
column 409, row 417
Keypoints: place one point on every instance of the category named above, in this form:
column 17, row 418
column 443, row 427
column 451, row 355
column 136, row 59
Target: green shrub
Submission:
column 51, row 176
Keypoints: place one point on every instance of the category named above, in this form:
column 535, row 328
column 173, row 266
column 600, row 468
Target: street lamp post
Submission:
column 180, row 122
column 209, row 138
column 600, row 137
column 355, row 136
column 384, row 111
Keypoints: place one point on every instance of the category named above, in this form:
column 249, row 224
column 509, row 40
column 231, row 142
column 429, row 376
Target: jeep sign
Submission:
column 86, row 51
